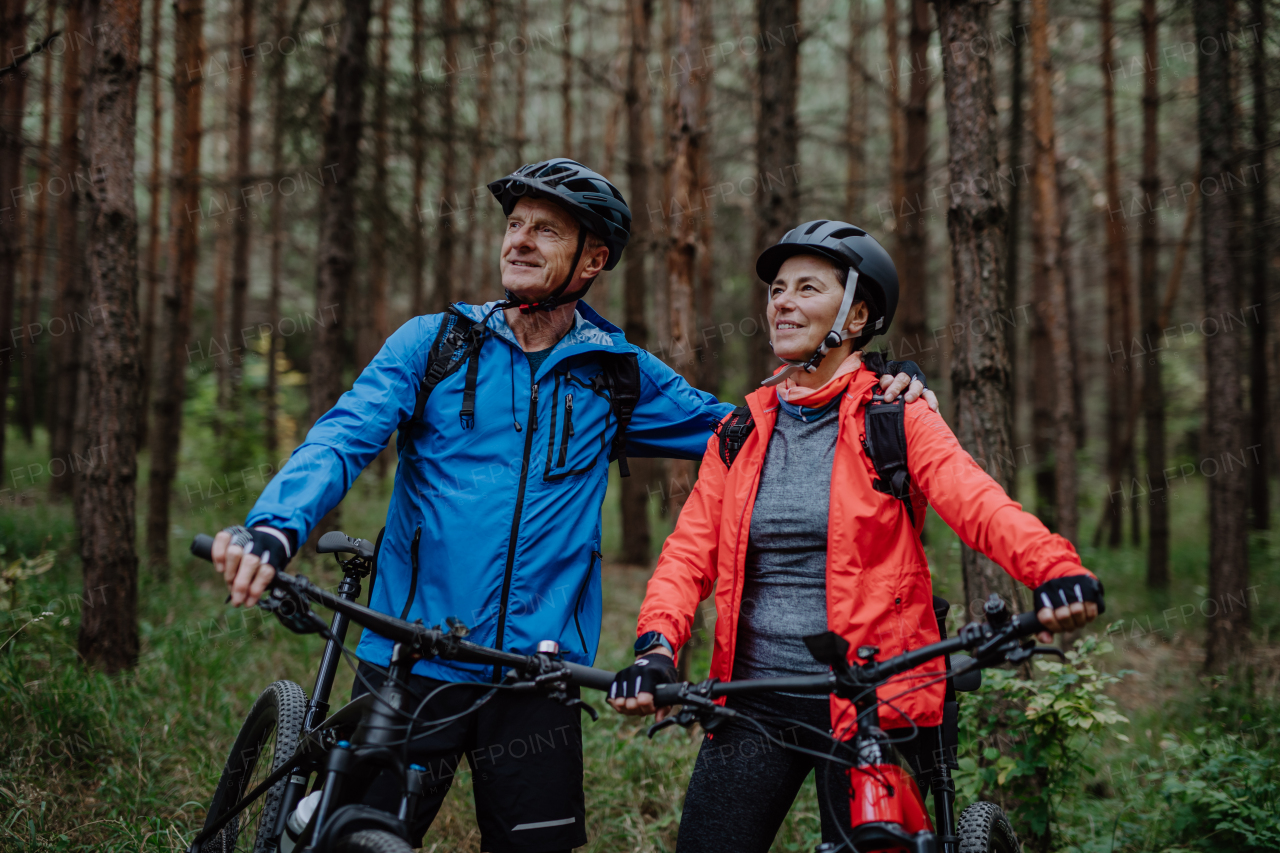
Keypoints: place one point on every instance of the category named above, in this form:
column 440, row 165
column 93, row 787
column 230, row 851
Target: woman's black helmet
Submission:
column 589, row 196
column 847, row 246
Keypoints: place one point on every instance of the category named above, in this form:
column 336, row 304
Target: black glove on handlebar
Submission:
column 1063, row 592
column 643, row 676
column 272, row 547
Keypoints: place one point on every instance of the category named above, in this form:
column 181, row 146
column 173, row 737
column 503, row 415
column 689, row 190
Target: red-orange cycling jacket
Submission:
column 878, row 587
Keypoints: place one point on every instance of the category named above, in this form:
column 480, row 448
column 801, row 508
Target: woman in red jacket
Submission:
column 795, row 539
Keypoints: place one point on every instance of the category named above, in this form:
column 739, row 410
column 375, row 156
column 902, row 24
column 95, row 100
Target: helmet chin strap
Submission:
column 833, row 339
column 557, row 297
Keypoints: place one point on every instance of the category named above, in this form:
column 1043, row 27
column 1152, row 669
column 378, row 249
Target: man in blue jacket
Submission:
column 495, row 513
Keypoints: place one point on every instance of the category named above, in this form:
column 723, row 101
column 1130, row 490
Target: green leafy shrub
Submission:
column 1030, row 736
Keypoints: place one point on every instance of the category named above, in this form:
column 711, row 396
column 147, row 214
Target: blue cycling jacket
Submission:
column 509, row 518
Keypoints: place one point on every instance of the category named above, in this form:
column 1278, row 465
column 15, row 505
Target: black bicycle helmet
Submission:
column 595, row 202
column 850, row 249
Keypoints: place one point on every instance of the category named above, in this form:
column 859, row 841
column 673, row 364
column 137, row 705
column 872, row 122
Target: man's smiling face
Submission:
column 539, row 246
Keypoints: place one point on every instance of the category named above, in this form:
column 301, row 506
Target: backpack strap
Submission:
column 621, row 375
column 885, row 441
column 733, row 433
column 459, row 338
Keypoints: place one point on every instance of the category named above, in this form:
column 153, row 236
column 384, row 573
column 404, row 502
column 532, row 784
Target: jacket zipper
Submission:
column 515, row 525
column 568, row 430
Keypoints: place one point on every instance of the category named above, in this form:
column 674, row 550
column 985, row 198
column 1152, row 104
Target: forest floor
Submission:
column 92, row 763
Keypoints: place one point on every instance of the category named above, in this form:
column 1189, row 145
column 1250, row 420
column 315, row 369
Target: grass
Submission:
column 103, row 764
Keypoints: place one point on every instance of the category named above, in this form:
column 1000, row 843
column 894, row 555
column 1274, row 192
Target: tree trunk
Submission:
column 180, row 272
column 445, row 290
column 566, row 81
column 418, row 154
column 244, row 178
column 1228, row 635
column 1013, row 229
column 777, row 158
column 11, row 235
column 105, row 502
column 372, row 319
column 337, row 226
column 893, row 118
column 1259, row 380
column 1152, row 384
column 912, row 318
column 1046, row 220
column 635, row 489
column 146, row 358
column 28, row 393
column 271, row 410
column 980, row 375
column 475, row 276
column 710, row 370
column 522, row 67
column 855, row 123
column 684, row 143
column 1119, row 311
column 70, row 302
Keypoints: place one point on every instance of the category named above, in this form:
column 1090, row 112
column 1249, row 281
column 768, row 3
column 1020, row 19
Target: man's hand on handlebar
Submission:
column 245, row 574
column 650, row 669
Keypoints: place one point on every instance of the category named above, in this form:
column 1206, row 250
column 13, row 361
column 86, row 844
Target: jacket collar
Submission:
column 590, row 332
column 763, row 402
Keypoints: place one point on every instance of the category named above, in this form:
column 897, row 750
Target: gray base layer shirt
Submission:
column 784, row 595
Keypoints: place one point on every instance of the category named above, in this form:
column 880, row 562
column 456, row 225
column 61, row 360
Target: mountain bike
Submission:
column 887, row 810
column 289, row 744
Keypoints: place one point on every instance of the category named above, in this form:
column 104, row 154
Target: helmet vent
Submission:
column 848, row 232
column 815, row 226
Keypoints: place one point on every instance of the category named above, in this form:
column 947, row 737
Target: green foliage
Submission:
column 1043, row 727
column 1227, row 797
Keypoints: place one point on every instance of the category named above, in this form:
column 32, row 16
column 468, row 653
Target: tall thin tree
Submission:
column 64, row 400
column 418, row 157
column 635, row 491
column 1119, row 323
column 180, row 272
column 855, row 120
column 151, row 268
column 1260, row 236
column 684, row 141
column 1228, row 634
column 446, row 221
column 28, row 394
column 372, row 322
column 1045, row 220
column 246, row 47
column 1016, row 170
column 271, row 410
column 980, row 374
column 910, row 218
column 14, row 29
column 777, row 146
column 1153, row 402
column 105, row 503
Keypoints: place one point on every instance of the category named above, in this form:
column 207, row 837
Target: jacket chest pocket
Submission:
column 580, row 417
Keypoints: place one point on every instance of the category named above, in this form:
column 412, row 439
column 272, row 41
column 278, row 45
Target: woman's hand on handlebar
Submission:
column 631, row 693
column 246, row 575
column 1068, row 603
column 1063, row 619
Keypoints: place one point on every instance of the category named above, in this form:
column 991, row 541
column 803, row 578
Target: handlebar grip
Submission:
column 1027, row 624
column 586, row 676
column 665, row 695
column 202, row 546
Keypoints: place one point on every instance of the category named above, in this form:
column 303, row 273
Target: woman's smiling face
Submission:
column 804, row 299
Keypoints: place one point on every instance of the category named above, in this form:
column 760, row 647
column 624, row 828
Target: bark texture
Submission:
column 243, row 178
column 151, row 269
column 105, row 502
column 777, row 151
column 911, row 321
column 446, row 290
column 635, row 489
column 1259, row 374
column 980, row 376
column 1152, row 384
column 1045, row 220
column 13, row 29
column 184, row 195
column 1228, row 634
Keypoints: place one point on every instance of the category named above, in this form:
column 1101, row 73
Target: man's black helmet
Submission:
column 847, row 246
column 588, row 195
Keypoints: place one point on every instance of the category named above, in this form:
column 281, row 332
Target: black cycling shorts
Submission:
column 525, row 755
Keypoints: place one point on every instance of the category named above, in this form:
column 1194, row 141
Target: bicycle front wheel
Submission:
column 984, row 828
column 267, row 739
